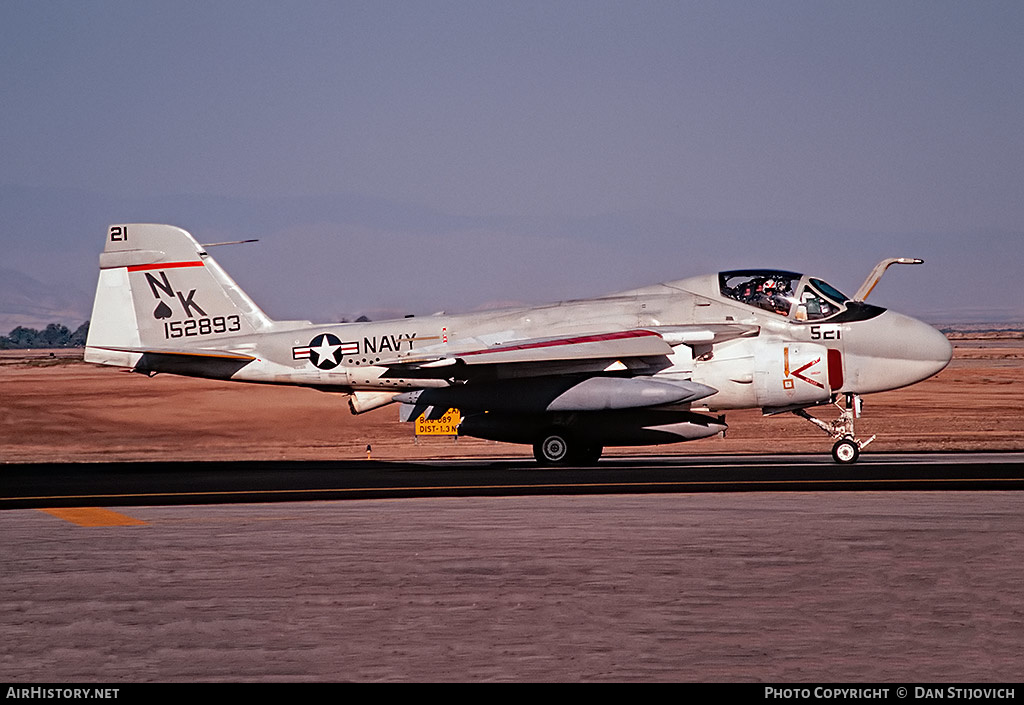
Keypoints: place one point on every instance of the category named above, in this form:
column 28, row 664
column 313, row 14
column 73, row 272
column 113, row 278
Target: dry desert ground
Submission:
column 56, row 408
column 840, row 586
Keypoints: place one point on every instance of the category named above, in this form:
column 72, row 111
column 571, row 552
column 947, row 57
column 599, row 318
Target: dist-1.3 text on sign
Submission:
column 447, row 425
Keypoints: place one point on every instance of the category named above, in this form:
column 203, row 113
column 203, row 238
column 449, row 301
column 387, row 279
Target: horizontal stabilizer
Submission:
column 210, row 366
column 191, row 352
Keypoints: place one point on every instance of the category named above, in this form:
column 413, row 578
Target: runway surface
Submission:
column 126, row 484
column 794, row 587
column 774, row 569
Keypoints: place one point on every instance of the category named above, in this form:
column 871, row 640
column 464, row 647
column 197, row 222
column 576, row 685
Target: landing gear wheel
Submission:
column 847, row 448
column 845, row 451
column 554, row 448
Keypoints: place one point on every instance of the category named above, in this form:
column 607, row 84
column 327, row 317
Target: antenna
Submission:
column 233, row 242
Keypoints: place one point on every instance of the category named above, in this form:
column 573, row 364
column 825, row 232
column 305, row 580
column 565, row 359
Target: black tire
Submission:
column 555, row 447
column 846, row 451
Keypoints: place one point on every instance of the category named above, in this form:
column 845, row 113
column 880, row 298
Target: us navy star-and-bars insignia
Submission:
column 325, row 351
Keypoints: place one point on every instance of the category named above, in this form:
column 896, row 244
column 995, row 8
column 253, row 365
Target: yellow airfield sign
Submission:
column 447, row 425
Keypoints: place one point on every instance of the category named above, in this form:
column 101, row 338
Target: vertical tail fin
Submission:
column 158, row 288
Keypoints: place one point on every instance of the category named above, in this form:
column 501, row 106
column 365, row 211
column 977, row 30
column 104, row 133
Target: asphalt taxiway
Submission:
column 162, row 483
column 829, row 586
column 687, row 568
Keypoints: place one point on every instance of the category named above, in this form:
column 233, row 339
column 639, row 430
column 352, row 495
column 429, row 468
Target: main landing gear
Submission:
column 847, row 448
column 556, row 446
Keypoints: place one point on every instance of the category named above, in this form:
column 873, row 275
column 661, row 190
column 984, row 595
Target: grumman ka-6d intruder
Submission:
column 641, row 367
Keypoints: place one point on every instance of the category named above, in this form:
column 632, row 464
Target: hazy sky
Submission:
column 519, row 150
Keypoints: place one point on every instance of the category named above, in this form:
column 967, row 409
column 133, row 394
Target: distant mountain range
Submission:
column 28, row 302
column 322, row 258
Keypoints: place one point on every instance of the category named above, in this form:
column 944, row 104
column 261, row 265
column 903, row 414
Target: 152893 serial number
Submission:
column 202, row 326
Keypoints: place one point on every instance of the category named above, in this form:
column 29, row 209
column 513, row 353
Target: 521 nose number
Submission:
column 826, row 333
column 202, row 326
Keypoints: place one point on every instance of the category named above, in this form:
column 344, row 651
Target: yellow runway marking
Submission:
column 94, row 516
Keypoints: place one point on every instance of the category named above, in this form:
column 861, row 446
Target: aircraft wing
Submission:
column 567, row 349
column 596, row 371
column 641, row 342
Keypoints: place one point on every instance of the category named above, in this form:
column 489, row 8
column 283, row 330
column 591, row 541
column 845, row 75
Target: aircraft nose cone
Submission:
column 923, row 351
column 898, row 351
column 933, row 346
column 926, row 348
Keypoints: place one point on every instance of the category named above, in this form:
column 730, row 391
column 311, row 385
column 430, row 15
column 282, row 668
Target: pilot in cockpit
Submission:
column 768, row 291
column 774, row 296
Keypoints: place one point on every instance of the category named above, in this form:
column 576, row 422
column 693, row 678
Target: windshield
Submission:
column 818, row 301
column 814, row 307
column 830, row 291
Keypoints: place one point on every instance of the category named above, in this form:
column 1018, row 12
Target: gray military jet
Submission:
column 642, row 367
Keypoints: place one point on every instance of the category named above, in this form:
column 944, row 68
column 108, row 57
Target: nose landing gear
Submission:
column 847, row 448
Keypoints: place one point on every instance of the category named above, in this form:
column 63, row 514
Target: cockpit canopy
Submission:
column 795, row 296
